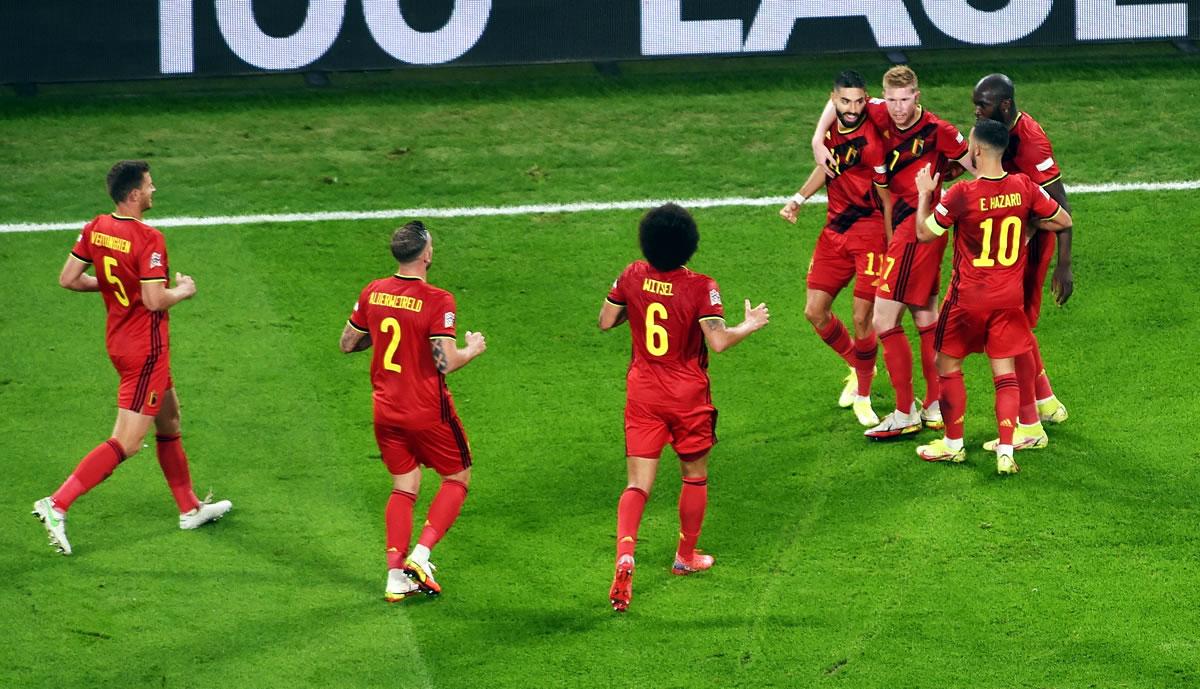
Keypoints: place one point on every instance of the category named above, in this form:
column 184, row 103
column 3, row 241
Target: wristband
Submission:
column 799, row 198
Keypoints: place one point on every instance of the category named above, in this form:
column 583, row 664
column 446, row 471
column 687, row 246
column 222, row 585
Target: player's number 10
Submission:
column 1009, row 240
column 656, row 335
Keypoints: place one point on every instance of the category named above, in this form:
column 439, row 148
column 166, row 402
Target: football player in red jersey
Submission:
column 911, row 271
column 992, row 217
column 412, row 327
column 1029, row 151
column 132, row 276
column 853, row 242
column 675, row 316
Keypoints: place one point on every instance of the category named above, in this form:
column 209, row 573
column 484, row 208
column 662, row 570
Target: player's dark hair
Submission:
column 668, row 236
column 849, row 79
column 991, row 133
column 409, row 241
column 999, row 85
column 124, row 177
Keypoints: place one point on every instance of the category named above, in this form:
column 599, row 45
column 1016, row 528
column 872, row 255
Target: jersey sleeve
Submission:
column 152, row 265
column 945, row 212
column 358, row 316
column 875, row 157
column 616, row 295
column 83, row 245
column 1044, row 206
column 442, row 319
column 1035, row 157
column 951, row 142
column 710, row 302
column 878, row 113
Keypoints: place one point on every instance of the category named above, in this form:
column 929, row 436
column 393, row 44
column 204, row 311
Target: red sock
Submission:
column 693, row 498
column 929, row 365
column 866, row 350
column 1008, row 399
column 897, row 357
column 629, row 518
column 174, row 464
column 954, row 403
column 445, row 508
column 838, row 339
column 96, row 466
column 398, row 517
column 1041, row 382
column 1026, row 373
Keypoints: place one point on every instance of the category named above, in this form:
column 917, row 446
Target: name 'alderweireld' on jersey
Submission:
column 396, row 301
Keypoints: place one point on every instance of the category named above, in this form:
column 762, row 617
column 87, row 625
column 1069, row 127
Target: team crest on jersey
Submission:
column 448, row 320
column 851, row 157
column 918, row 147
column 153, row 398
column 156, row 260
column 714, row 297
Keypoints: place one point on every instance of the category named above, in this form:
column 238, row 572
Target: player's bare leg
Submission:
column 953, row 404
column 641, row 471
column 818, row 309
column 693, row 500
column 398, row 518
column 925, row 318
column 897, row 358
column 1007, row 402
column 443, row 512
column 174, row 464
column 866, row 351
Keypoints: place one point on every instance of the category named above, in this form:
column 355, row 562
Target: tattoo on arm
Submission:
column 439, row 355
column 363, row 343
column 715, row 324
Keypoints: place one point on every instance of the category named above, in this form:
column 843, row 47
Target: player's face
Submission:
column 987, row 106
column 902, row 104
column 146, row 192
column 849, row 103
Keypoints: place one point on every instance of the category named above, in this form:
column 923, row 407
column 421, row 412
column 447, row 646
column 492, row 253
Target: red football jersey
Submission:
column 402, row 314
column 858, row 161
column 993, row 218
column 126, row 253
column 927, row 140
column 1029, row 151
column 669, row 366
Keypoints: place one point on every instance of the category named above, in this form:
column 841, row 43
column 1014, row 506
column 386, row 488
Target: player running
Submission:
column 675, row 315
column 992, row 216
column 853, row 242
column 132, row 276
column 412, row 325
column 1029, row 152
column 911, row 271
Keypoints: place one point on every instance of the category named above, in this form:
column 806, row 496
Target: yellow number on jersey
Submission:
column 389, row 362
column 656, row 335
column 110, row 263
column 1009, row 240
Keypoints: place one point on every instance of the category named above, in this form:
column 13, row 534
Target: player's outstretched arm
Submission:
column 75, row 278
column 720, row 337
column 158, row 297
column 354, row 340
column 1063, row 282
column 926, row 183
column 791, row 210
column 821, row 155
column 448, row 356
column 611, row 315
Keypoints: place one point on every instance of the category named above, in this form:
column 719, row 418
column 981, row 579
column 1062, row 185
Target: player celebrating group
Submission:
column 993, row 217
column 412, row 325
column 132, row 258
column 673, row 313
column 853, row 242
column 911, row 271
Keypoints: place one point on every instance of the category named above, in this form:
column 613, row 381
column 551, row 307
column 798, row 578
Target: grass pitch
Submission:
column 839, row 562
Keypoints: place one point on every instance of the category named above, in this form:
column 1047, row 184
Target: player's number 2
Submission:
column 656, row 335
column 389, row 362
column 110, row 263
column 1009, row 243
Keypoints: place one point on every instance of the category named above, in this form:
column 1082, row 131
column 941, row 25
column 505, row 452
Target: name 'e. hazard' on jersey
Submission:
column 127, row 253
column 1029, row 151
column 992, row 219
column 403, row 314
column 858, row 167
column 927, row 140
column 669, row 365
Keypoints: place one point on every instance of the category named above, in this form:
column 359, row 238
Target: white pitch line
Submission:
column 480, row 211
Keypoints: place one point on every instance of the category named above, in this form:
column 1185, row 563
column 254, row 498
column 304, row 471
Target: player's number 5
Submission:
column 110, row 263
column 1009, row 243
column 389, row 361
column 656, row 335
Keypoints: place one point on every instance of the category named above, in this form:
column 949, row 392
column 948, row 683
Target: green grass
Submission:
column 840, row 563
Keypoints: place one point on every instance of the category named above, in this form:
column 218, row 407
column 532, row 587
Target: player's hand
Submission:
column 1062, row 284
column 790, row 211
column 185, row 285
column 823, row 158
column 757, row 317
column 926, row 183
column 476, row 344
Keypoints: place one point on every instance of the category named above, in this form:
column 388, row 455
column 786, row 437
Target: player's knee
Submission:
column 129, row 446
column 463, row 477
column 862, row 323
column 818, row 315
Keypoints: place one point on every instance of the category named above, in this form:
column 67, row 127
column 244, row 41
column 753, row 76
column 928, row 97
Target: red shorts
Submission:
column 144, row 379
column 1041, row 251
column 442, row 447
column 839, row 257
column 912, row 270
column 648, row 429
column 1001, row 333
